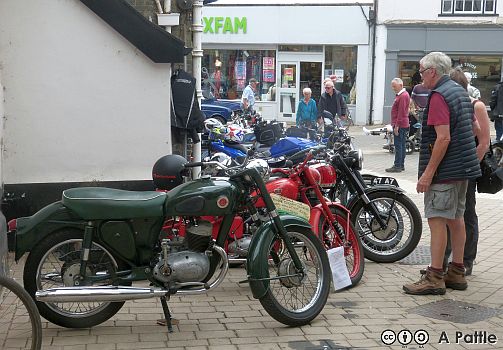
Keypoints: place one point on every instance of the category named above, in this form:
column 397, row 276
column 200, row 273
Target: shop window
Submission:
column 456, row 7
column 225, row 73
column 485, row 71
column 301, row 48
column 340, row 61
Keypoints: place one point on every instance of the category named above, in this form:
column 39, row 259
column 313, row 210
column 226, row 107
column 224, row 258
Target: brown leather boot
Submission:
column 455, row 278
column 429, row 283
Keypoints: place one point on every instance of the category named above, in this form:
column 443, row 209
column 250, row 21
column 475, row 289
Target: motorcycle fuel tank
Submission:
column 327, row 173
column 203, row 196
column 284, row 187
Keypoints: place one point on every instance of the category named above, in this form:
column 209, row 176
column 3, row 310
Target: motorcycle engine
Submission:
column 239, row 248
column 190, row 264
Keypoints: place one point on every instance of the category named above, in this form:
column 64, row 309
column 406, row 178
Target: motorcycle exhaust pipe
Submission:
column 97, row 294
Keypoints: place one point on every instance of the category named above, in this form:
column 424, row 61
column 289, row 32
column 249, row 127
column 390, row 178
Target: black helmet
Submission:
column 168, row 171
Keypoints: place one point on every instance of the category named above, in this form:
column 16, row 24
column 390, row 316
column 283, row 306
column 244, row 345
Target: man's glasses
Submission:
column 328, row 87
column 424, row 70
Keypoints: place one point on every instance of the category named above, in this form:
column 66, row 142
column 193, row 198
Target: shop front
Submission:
column 286, row 48
column 480, row 53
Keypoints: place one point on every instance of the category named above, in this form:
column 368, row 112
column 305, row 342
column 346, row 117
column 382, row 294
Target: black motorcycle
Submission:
column 388, row 222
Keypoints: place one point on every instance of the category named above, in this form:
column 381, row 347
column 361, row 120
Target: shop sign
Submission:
column 268, row 75
column 470, row 67
column 288, row 74
column 224, row 25
column 339, row 75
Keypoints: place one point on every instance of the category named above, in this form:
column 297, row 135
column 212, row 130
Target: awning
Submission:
column 156, row 43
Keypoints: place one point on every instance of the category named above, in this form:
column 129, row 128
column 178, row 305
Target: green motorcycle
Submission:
column 87, row 250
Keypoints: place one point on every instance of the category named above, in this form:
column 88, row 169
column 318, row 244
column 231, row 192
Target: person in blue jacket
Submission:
column 307, row 111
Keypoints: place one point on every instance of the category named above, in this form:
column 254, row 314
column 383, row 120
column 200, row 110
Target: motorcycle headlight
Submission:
column 357, row 159
column 262, row 167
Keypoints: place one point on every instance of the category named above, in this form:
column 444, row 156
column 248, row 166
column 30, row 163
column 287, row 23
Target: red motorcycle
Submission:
column 330, row 221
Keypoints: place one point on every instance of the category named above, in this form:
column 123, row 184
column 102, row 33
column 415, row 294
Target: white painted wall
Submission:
column 1, row 127
column 81, row 103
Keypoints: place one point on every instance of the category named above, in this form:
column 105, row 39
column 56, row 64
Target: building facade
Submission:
column 287, row 48
column 468, row 31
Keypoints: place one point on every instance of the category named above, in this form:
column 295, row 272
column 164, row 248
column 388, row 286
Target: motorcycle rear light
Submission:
column 12, row 225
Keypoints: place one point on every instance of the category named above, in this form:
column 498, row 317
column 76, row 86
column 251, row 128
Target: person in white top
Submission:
column 472, row 90
column 248, row 98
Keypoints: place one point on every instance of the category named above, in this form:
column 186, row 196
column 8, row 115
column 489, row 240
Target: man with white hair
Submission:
column 400, row 124
column 472, row 90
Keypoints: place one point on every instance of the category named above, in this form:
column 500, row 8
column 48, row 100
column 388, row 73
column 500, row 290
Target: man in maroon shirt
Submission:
column 400, row 124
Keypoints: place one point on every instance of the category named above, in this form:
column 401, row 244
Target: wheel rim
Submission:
column 392, row 239
column 498, row 154
column 19, row 318
column 58, row 266
column 298, row 294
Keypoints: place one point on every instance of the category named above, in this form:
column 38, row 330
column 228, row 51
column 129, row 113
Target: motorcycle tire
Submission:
column 355, row 259
column 410, row 146
column 403, row 231
column 296, row 301
column 63, row 247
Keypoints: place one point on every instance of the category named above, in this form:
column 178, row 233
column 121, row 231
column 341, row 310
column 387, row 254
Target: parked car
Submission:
column 223, row 110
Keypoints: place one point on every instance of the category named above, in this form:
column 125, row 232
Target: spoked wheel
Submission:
column 20, row 326
column 293, row 298
column 353, row 250
column 498, row 154
column 401, row 233
column 410, row 146
column 55, row 262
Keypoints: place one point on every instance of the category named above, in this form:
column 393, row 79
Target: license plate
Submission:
column 384, row 181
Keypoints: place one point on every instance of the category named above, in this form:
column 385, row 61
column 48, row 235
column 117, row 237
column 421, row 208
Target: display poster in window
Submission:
column 268, row 75
column 339, row 75
column 288, row 74
column 268, row 63
column 240, row 70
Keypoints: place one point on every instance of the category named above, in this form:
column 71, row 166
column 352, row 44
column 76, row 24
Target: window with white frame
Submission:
column 483, row 7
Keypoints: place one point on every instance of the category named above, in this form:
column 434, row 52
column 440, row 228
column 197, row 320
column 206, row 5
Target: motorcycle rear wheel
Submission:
column 402, row 233
column 53, row 263
column 296, row 301
column 353, row 252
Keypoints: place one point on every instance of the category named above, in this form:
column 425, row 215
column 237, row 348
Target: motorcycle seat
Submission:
column 97, row 203
column 237, row 146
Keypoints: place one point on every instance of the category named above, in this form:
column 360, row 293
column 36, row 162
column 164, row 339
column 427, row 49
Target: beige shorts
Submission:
column 445, row 200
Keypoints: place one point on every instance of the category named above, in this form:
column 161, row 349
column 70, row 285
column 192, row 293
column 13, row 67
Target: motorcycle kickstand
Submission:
column 167, row 314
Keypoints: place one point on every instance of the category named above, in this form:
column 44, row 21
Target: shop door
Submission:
column 288, row 91
column 310, row 76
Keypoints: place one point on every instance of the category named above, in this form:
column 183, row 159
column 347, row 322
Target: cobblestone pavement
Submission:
column 229, row 317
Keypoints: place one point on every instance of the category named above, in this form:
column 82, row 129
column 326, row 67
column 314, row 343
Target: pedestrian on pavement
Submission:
column 248, row 98
column 420, row 95
column 447, row 160
column 307, row 111
column 400, row 124
column 472, row 90
column 333, row 101
column 496, row 105
column 481, row 130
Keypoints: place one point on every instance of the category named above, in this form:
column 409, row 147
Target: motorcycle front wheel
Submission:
column 353, row 250
column 402, row 231
column 293, row 299
column 55, row 262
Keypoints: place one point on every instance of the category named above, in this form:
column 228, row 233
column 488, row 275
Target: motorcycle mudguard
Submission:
column 372, row 189
column 31, row 229
column 317, row 212
column 257, row 262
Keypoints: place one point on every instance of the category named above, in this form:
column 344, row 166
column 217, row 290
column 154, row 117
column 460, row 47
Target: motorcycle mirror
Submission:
column 250, row 152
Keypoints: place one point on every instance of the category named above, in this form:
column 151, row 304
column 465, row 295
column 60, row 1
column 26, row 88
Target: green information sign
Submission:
column 224, row 25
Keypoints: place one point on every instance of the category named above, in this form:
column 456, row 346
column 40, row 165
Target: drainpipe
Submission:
column 374, row 34
column 197, row 55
